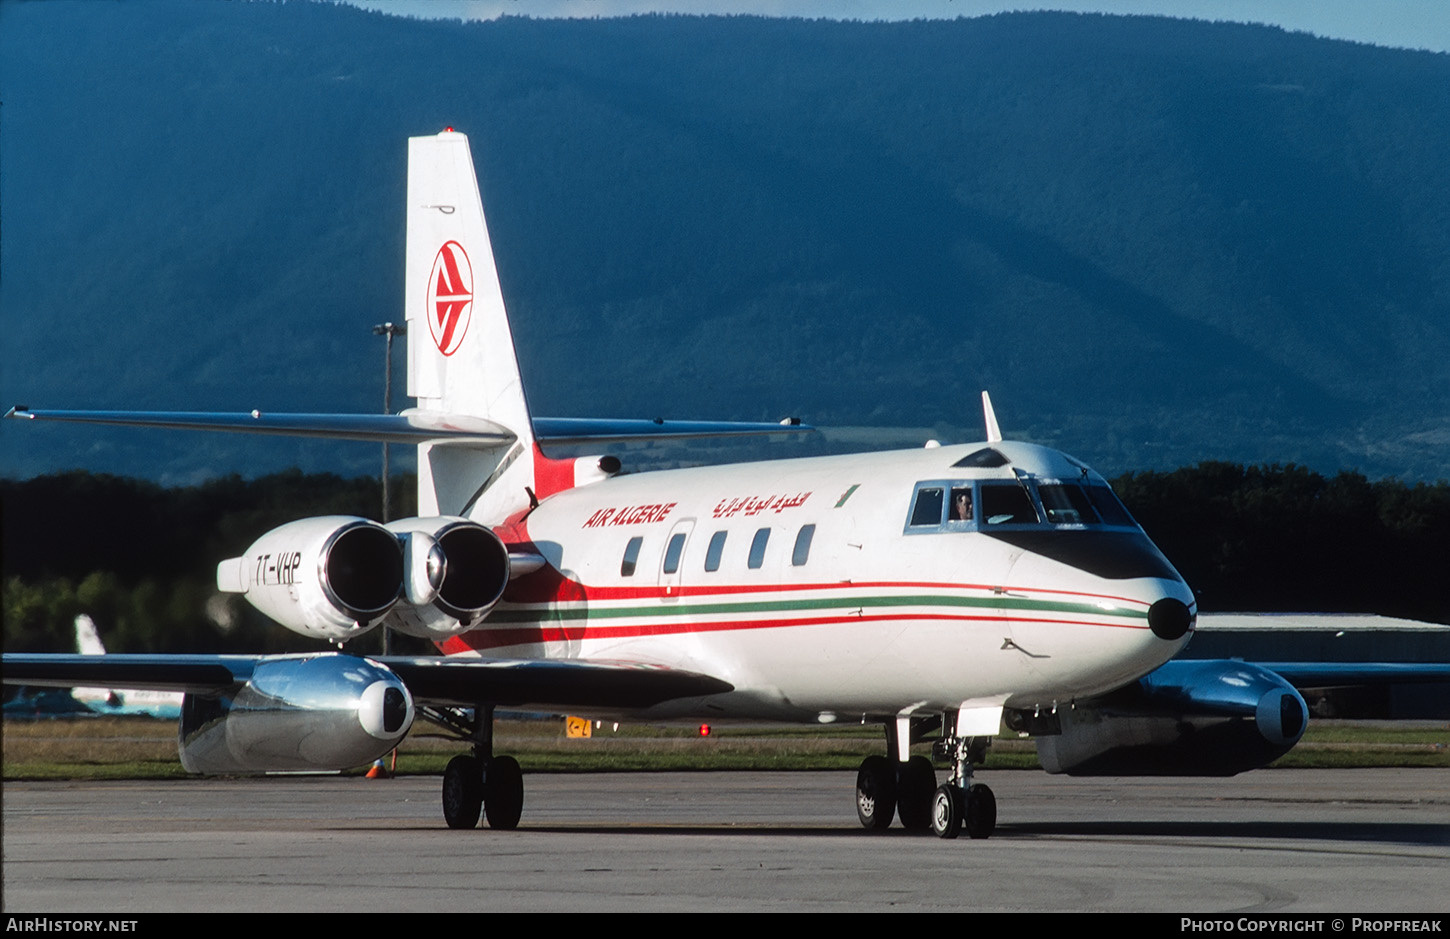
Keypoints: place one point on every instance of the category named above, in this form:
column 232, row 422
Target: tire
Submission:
column 504, row 793
column 915, row 785
column 875, row 793
column 462, row 792
column 947, row 811
column 981, row 815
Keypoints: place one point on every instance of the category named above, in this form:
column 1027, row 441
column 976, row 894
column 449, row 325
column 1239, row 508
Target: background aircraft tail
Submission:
column 461, row 360
column 88, row 638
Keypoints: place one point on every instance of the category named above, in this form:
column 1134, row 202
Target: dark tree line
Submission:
column 141, row 560
column 1288, row 539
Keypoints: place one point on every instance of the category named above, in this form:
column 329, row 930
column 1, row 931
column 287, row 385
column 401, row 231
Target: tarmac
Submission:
column 1365, row 841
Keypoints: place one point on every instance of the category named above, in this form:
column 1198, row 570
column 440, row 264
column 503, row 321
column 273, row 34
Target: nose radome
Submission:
column 1169, row 618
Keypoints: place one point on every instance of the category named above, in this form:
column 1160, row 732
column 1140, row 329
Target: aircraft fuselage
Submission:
column 848, row 586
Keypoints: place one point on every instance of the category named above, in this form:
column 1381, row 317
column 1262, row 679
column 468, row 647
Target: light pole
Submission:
column 389, row 330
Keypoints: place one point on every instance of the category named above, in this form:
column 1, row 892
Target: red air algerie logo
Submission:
column 450, row 297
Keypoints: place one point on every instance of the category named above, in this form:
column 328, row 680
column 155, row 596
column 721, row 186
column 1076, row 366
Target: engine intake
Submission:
column 320, row 713
column 1187, row 718
column 456, row 573
column 332, row 577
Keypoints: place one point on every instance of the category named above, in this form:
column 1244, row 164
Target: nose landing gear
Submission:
column 960, row 803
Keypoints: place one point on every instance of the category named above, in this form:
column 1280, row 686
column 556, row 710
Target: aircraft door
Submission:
column 1020, row 637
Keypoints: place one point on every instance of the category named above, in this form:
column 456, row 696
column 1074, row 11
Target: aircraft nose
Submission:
column 1169, row 618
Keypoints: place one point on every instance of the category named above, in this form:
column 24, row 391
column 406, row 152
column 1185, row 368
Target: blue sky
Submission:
column 1411, row 24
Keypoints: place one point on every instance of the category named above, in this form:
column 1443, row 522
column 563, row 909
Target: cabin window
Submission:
column 673, row 550
column 802, row 552
column 757, row 548
column 631, row 557
column 712, row 553
column 927, row 510
column 1006, row 504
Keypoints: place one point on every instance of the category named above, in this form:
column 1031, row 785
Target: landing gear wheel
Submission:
column 947, row 809
column 462, row 792
column 981, row 816
column 915, row 782
column 504, row 798
column 875, row 793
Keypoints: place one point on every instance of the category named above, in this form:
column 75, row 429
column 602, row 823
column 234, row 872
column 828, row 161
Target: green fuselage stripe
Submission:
column 684, row 607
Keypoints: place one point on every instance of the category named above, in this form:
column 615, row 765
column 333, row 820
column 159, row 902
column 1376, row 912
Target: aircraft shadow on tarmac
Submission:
column 1244, row 832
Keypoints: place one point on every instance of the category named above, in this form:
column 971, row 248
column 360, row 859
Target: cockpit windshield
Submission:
column 1007, row 504
column 1066, row 504
column 1028, row 502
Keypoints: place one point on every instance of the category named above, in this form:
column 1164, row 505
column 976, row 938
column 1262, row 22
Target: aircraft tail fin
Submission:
column 88, row 638
column 994, row 432
column 461, row 360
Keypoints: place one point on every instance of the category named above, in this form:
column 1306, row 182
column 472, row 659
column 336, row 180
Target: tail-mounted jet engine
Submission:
column 1187, row 718
column 318, row 713
column 456, row 571
column 332, row 577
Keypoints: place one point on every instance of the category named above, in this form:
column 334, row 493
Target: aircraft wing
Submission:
column 1339, row 674
column 416, row 426
column 514, row 682
column 193, row 674
column 435, row 680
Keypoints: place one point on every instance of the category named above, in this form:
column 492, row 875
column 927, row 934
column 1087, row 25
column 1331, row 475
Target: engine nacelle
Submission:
column 333, row 577
column 318, row 713
column 455, row 573
column 1187, row 718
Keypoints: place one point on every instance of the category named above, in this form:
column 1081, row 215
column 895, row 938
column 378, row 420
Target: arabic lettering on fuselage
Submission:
column 754, row 505
column 629, row 515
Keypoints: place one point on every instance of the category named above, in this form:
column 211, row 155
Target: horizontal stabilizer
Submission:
column 417, row 426
column 584, row 430
column 409, row 427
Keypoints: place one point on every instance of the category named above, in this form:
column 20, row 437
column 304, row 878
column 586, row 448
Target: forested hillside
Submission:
column 1156, row 242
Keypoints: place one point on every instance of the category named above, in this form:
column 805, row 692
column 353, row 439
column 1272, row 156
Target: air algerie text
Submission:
column 629, row 515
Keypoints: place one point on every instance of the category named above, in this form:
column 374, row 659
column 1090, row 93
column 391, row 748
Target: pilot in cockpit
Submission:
column 961, row 505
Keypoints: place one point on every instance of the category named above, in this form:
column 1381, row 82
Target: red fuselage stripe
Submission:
column 531, row 635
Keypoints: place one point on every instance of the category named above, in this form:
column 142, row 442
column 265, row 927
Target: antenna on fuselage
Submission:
column 994, row 432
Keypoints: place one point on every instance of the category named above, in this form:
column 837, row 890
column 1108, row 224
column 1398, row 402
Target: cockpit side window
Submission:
column 1006, row 504
column 959, row 506
column 928, row 507
column 1108, row 506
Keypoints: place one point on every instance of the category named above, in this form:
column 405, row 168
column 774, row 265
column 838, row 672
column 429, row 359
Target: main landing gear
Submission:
column 886, row 786
column 480, row 784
